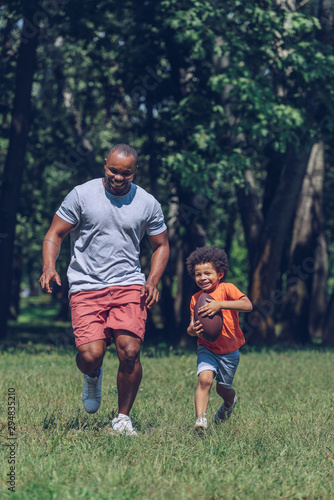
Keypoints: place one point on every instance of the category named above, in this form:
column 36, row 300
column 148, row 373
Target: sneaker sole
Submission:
column 87, row 411
column 112, row 432
column 200, row 428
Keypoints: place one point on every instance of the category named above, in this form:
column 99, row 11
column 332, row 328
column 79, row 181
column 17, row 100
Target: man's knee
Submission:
column 92, row 352
column 128, row 350
column 129, row 357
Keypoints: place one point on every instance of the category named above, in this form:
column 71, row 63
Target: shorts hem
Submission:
column 84, row 341
column 206, row 368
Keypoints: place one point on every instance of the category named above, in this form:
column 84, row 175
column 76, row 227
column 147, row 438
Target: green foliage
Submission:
column 204, row 89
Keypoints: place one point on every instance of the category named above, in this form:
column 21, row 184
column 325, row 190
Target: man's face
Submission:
column 119, row 171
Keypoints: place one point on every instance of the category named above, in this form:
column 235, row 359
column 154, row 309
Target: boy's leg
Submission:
column 227, row 395
column 206, row 371
column 205, row 380
column 227, row 367
column 226, row 409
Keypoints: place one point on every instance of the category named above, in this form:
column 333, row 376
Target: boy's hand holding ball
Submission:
column 195, row 329
column 208, row 312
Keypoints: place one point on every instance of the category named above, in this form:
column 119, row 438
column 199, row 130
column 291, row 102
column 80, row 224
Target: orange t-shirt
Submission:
column 231, row 337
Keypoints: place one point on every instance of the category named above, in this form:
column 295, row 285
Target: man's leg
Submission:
column 90, row 356
column 89, row 360
column 129, row 371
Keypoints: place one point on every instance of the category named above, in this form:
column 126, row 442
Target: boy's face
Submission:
column 206, row 276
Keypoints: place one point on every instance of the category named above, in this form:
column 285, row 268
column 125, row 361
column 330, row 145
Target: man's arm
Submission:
column 159, row 261
column 51, row 249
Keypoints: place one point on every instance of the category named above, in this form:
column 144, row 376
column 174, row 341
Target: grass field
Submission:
column 278, row 444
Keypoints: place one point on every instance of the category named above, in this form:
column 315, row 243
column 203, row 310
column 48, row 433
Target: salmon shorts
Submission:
column 96, row 313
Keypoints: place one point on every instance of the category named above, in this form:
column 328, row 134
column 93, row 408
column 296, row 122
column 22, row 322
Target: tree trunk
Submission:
column 195, row 236
column 306, row 299
column 14, row 306
column 328, row 336
column 259, row 323
column 324, row 10
column 251, row 216
column 84, row 149
column 13, row 171
column 167, row 300
column 83, row 152
column 175, row 309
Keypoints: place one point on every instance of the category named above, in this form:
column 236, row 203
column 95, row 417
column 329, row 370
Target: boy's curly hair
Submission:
column 215, row 255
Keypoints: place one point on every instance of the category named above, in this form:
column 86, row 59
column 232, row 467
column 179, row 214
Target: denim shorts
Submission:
column 224, row 366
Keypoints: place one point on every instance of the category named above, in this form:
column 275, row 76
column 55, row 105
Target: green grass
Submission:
column 278, row 444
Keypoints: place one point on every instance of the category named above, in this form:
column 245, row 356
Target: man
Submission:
column 106, row 219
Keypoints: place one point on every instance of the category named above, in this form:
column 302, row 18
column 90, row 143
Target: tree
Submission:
column 13, row 171
column 225, row 102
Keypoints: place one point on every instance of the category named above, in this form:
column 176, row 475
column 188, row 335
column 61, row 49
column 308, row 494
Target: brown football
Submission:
column 211, row 326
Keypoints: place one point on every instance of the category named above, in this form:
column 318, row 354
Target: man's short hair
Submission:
column 124, row 150
column 213, row 255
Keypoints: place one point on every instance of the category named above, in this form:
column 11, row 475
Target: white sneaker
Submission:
column 123, row 425
column 223, row 413
column 91, row 394
column 201, row 423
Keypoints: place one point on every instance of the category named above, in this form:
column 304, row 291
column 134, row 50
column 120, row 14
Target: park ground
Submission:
column 277, row 445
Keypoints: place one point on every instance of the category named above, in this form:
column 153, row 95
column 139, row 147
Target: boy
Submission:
column 208, row 266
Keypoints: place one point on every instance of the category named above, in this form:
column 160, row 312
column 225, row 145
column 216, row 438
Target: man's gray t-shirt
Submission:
column 105, row 242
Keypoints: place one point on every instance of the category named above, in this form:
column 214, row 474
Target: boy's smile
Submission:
column 206, row 276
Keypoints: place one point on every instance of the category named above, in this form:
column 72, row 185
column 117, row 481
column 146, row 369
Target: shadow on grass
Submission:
column 35, row 340
column 39, row 337
column 78, row 422
column 60, row 339
column 81, row 421
column 37, row 330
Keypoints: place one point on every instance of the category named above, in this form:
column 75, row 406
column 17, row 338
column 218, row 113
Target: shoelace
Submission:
column 92, row 388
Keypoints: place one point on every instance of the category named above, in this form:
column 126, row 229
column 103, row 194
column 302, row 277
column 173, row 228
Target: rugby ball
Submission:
column 212, row 326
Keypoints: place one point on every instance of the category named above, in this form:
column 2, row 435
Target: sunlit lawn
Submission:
column 278, row 444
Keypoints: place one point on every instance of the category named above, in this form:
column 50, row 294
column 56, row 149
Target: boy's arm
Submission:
column 214, row 306
column 240, row 305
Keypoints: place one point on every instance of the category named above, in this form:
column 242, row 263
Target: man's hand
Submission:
column 47, row 276
column 151, row 292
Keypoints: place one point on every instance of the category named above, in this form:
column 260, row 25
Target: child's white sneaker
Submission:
column 225, row 413
column 91, row 394
column 123, row 425
column 201, row 423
